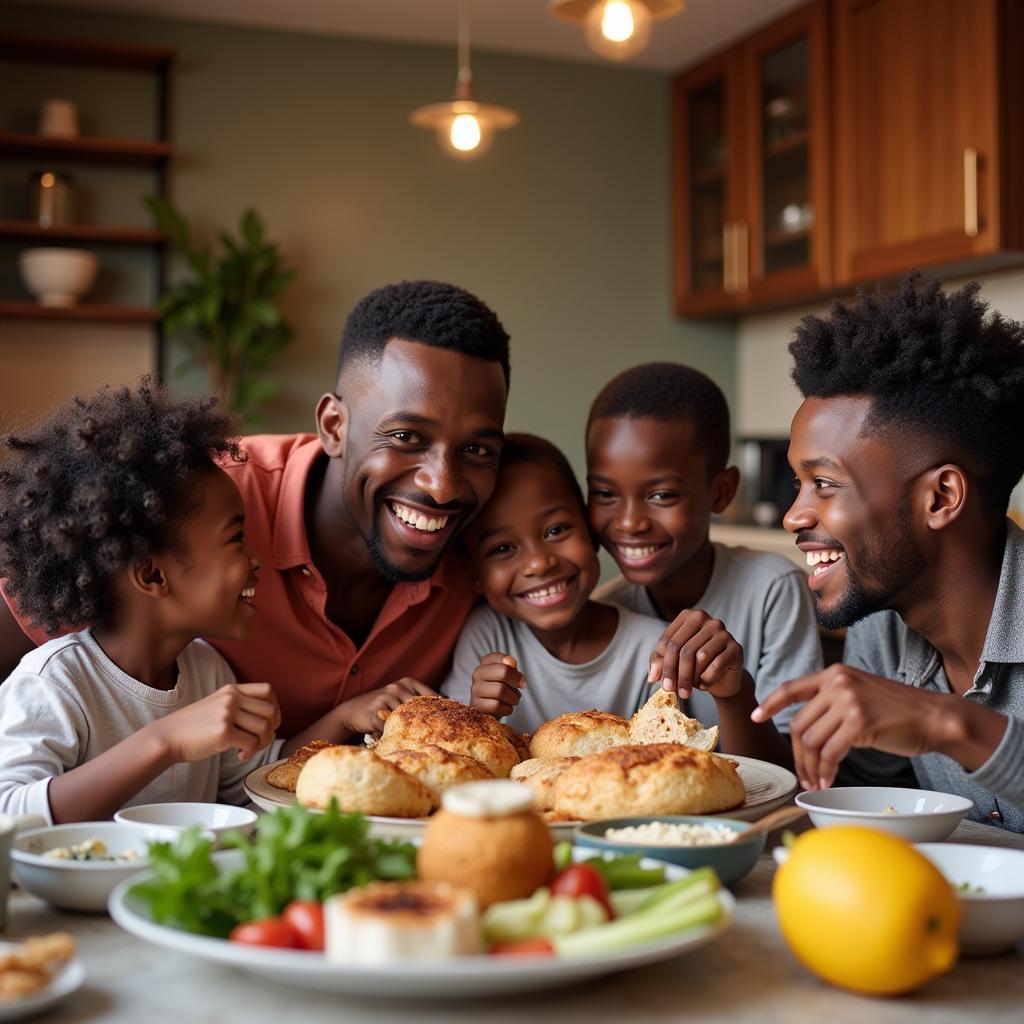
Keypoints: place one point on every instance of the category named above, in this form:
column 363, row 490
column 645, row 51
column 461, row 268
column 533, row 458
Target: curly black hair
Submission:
column 99, row 486
column 935, row 367
column 672, row 393
column 428, row 312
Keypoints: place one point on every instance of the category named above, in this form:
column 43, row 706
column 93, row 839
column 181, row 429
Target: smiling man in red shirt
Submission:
column 361, row 599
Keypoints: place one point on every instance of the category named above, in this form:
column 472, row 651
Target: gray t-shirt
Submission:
column 885, row 646
column 67, row 702
column 765, row 603
column 616, row 680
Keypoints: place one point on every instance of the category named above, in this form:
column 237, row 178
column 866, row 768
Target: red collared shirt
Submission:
column 312, row 663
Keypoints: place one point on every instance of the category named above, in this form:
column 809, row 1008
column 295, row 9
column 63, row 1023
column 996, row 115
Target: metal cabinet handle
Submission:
column 970, row 191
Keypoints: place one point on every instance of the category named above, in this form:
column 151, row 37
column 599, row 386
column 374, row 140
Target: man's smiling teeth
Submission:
column 823, row 559
column 638, row 552
column 248, row 593
column 417, row 520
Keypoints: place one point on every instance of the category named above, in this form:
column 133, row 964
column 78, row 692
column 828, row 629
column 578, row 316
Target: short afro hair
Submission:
column 672, row 393
column 932, row 363
column 99, row 486
column 528, row 449
column 429, row 312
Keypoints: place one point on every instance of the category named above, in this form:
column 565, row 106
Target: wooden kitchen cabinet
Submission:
column 751, row 170
column 929, row 133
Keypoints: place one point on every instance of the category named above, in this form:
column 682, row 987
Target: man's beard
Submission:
column 893, row 562
column 388, row 570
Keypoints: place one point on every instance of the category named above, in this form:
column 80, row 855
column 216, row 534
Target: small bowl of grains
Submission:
column 689, row 841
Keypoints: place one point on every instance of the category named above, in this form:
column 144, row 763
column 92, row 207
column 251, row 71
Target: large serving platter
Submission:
column 461, row 977
column 767, row 786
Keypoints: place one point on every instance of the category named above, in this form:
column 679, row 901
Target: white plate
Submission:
column 462, row 977
column 66, row 980
column 768, row 786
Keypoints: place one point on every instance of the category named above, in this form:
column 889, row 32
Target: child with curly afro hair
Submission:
column 117, row 522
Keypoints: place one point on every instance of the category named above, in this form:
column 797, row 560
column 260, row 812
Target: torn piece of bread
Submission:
column 286, row 775
column 660, row 720
column 579, row 733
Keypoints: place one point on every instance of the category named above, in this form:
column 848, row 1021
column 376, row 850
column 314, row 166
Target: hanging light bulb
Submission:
column 464, row 127
column 615, row 29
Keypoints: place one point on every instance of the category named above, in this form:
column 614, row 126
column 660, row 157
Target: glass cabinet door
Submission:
column 707, row 157
column 787, row 207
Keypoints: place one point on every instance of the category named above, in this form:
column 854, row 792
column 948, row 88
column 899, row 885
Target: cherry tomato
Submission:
column 523, row 947
column 306, row 918
column 582, row 880
column 267, row 931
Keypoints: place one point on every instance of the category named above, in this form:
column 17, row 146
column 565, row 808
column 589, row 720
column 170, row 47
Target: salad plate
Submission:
column 767, row 786
column 459, row 977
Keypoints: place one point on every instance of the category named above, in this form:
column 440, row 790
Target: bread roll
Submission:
column 579, row 733
column 649, row 779
column 361, row 781
column 286, row 774
column 661, row 721
column 541, row 774
column 437, row 768
column 438, row 721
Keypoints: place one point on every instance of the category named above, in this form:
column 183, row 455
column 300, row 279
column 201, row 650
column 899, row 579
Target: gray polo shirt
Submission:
column 884, row 645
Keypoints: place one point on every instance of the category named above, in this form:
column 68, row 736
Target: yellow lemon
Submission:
column 865, row 911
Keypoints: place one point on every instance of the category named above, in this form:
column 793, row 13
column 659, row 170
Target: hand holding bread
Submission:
column 696, row 650
column 360, row 714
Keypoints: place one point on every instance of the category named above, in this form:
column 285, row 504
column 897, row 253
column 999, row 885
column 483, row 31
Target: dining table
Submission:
column 747, row 975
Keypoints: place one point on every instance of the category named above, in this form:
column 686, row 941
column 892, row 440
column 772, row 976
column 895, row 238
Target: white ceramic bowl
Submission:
column 993, row 919
column 215, row 818
column 81, row 884
column 58, row 277
column 919, row 816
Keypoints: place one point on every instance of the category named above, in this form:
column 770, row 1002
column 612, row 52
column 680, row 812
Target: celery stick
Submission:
column 627, row 901
column 637, row 929
column 702, row 881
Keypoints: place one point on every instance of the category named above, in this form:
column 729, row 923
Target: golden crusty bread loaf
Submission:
column 541, row 774
column 661, row 721
column 286, row 774
column 361, row 781
column 438, row 721
column 648, row 779
column 579, row 733
column 437, row 768
column 519, row 740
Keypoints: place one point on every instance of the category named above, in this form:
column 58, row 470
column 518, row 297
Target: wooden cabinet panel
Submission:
column 918, row 157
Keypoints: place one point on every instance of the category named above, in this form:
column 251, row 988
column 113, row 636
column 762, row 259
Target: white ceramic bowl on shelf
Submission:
column 58, row 277
column 917, row 815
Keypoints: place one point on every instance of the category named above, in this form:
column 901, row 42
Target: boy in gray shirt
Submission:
column 657, row 451
column 541, row 647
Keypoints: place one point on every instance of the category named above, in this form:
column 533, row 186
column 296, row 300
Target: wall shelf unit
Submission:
column 154, row 154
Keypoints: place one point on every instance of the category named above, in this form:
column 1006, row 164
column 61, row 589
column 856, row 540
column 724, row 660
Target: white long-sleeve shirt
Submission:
column 67, row 702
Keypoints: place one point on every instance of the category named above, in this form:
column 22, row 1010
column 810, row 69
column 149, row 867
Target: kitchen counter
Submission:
column 748, row 975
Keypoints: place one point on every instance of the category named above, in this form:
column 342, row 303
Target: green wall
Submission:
column 563, row 226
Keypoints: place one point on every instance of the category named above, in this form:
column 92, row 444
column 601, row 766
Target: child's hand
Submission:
column 697, row 650
column 496, row 684
column 359, row 715
column 240, row 715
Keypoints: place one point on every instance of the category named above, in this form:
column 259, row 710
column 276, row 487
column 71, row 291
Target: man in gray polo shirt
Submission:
column 906, row 448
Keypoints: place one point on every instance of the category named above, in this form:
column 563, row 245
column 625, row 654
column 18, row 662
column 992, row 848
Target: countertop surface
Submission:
column 746, row 975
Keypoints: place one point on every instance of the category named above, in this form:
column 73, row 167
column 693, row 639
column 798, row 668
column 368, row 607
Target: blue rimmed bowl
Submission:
column 731, row 860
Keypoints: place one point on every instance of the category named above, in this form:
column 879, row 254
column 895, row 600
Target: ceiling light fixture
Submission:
column 616, row 29
column 464, row 127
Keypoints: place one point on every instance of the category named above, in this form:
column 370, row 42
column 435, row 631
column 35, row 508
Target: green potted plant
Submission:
column 225, row 310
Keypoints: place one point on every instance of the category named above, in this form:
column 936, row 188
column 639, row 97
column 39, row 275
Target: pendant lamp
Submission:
column 464, row 127
column 615, row 29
